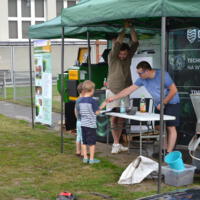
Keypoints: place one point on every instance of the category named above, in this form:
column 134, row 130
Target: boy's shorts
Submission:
column 171, row 109
column 88, row 135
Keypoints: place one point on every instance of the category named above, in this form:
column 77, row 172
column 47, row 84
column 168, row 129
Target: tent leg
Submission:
column 163, row 67
column 89, row 56
column 62, row 91
column 31, row 83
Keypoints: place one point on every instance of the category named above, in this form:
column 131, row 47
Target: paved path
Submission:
column 24, row 112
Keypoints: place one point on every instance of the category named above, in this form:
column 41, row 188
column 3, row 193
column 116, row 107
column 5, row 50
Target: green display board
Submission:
column 184, row 67
column 43, row 82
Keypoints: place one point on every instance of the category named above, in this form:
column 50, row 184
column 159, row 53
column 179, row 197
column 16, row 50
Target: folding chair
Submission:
column 143, row 130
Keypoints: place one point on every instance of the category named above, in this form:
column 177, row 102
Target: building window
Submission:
column 13, row 31
column 26, row 8
column 12, row 8
column 25, row 26
column 71, row 3
column 39, row 8
column 60, row 4
column 22, row 14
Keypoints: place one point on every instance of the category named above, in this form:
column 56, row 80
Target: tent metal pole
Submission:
column 31, row 82
column 89, row 56
column 107, row 44
column 163, row 67
column 62, row 90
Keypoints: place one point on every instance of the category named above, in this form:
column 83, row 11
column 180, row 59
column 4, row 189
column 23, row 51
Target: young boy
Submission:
column 79, row 151
column 87, row 107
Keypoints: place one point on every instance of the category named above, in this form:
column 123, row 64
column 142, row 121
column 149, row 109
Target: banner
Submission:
column 43, row 82
column 184, row 67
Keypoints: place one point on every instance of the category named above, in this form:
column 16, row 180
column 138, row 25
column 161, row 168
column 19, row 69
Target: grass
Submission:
column 32, row 167
column 23, row 97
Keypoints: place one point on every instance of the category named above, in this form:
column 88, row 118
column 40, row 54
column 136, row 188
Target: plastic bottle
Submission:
column 142, row 104
column 122, row 106
column 105, row 82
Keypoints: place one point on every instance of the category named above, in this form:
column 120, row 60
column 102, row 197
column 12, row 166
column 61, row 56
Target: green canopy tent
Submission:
column 146, row 13
column 52, row 29
column 163, row 14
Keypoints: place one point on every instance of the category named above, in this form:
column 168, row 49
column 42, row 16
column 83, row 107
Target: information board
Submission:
column 43, row 82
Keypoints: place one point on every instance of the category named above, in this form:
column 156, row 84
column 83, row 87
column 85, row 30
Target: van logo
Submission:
column 191, row 35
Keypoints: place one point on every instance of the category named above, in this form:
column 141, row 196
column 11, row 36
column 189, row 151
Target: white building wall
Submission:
column 4, row 27
column 70, row 56
column 4, row 20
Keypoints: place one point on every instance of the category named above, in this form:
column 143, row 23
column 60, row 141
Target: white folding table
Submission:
column 141, row 117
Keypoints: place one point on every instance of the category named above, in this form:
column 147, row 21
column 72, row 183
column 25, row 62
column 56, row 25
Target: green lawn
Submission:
column 32, row 167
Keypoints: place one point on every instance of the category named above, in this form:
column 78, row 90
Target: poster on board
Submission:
column 43, row 82
column 184, row 68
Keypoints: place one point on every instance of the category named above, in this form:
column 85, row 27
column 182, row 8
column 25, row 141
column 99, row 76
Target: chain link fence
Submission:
column 15, row 87
column 21, row 86
column 5, row 80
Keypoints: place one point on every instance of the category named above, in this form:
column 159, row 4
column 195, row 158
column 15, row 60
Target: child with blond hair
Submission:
column 87, row 108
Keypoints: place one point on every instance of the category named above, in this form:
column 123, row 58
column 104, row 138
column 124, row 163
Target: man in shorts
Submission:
column 119, row 77
column 150, row 79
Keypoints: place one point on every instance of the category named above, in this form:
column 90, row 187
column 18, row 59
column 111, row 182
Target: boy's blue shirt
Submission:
column 153, row 87
column 86, row 109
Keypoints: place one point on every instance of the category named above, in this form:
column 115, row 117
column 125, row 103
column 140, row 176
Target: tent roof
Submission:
column 95, row 11
column 52, row 29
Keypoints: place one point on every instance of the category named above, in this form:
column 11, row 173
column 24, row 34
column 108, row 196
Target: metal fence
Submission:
column 21, row 85
column 15, row 87
column 5, row 79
